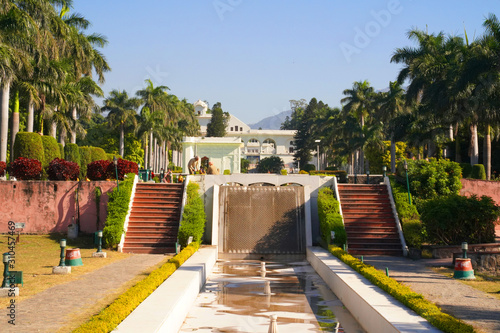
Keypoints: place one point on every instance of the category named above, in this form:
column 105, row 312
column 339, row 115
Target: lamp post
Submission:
column 407, row 182
column 115, row 162
column 6, row 258
column 63, row 245
column 384, row 169
column 317, row 153
column 99, row 241
column 368, row 176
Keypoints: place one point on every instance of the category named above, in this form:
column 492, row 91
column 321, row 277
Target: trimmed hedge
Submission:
column 99, row 170
column 29, row 145
column 60, row 169
column 97, row 154
column 61, row 150
column 123, row 167
column 330, row 218
column 85, row 159
column 50, row 149
column 193, row 218
column 478, row 172
column 117, row 211
column 405, row 295
column 408, row 215
column 71, row 153
column 26, row 169
column 466, row 170
column 110, row 156
column 109, row 318
column 3, row 167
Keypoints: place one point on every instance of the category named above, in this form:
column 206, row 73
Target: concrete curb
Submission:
column 374, row 309
column 165, row 309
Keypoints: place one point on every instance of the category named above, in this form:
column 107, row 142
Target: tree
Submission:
column 122, row 111
column 218, row 123
column 272, row 164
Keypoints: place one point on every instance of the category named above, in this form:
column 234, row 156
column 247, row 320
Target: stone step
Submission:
column 156, row 250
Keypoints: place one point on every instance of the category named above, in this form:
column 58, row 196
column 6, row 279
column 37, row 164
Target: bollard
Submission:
column 463, row 269
column 263, row 266
column 267, row 288
column 99, row 245
column 387, row 271
column 273, row 325
column 63, row 245
column 362, row 259
column 368, row 176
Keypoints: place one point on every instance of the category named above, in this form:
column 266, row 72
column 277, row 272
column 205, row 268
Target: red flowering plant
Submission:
column 98, row 170
column 123, row 167
column 26, row 168
column 3, row 167
column 60, row 169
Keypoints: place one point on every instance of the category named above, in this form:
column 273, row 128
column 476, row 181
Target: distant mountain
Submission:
column 272, row 122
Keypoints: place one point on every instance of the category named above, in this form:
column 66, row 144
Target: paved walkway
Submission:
column 53, row 308
column 474, row 307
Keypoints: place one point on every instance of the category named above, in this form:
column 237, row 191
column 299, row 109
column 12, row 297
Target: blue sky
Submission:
column 253, row 56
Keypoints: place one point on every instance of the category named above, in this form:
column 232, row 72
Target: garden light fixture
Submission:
column 465, row 247
column 407, row 182
column 99, row 242
column 317, row 146
column 63, row 245
column 115, row 162
column 6, row 259
column 368, row 176
column 384, row 169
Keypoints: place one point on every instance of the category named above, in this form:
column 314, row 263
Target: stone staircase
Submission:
column 154, row 219
column 369, row 221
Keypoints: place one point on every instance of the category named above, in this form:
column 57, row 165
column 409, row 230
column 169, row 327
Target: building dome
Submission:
column 200, row 107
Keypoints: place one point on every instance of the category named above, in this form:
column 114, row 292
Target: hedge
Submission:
column 466, row 170
column 330, row 218
column 340, row 173
column 117, row 211
column 71, row 153
column 110, row 317
column 85, row 159
column 408, row 215
column 405, row 295
column 97, row 154
column 478, row 172
column 29, row 145
column 193, row 218
column 26, row 169
column 61, row 150
column 51, row 150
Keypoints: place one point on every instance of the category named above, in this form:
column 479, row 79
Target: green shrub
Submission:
column 85, row 159
column 478, row 172
column 110, row 156
column 51, row 150
column 284, row 172
column 454, row 219
column 29, row 145
column 408, row 215
column 379, row 158
column 330, row 218
column 338, row 173
column 309, row 167
column 71, row 153
column 97, row 154
column 61, row 150
column 227, row 172
column 117, row 210
column 405, row 295
column 193, row 218
column 273, row 164
column 429, row 179
column 466, row 170
column 109, row 318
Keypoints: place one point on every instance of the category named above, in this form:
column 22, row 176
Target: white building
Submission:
column 255, row 144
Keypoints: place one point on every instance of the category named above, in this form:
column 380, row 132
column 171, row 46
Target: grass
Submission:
column 35, row 255
column 483, row 282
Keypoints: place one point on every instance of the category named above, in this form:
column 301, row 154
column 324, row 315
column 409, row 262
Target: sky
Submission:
column 254, row 56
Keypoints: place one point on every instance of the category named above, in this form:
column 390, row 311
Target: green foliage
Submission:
column 29, row 145
column 97, row 154
column 284, row 172
column 478, row 172
column 244, row 165
column 218, row 123
column 272, row 164
column 429, row 179
column 85, row 159
column 454, row 219
column 466, row 170
column 227, row 172
column 337, row 173
column 72, row 153
column 133, row 149
column 111, row 156
column 379, row 158
column 330, row 218
column 51, row 150
column 308, row 168
column 117, row 210
column 61, row 150
column 408, row 215
column 193, row 218
column 109, row 318
column 405, row 295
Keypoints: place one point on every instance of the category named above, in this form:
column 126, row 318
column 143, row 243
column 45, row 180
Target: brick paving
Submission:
column 53, row 308
column 473, row 306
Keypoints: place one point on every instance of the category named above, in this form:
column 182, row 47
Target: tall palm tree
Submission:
column 122, row 111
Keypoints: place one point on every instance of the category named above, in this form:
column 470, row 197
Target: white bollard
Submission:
column 267, row 288
column 273, row 326
column 263, row 266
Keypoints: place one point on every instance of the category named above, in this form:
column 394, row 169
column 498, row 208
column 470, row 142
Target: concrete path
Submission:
column 474, row 307
column 53, row 308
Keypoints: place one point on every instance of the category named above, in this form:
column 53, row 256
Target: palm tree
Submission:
column 122, row 111
column 359, row 102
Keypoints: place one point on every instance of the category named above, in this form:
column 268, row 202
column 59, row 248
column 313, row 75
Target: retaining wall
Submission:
column 481, row 187
column 49, row 206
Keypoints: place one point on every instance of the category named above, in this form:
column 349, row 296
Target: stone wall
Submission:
column 49, row 206
column 481, row 187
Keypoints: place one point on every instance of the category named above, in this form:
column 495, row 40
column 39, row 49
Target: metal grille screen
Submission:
column 262, row 219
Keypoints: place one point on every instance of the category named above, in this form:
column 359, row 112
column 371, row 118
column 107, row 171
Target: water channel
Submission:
column 242, row 296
